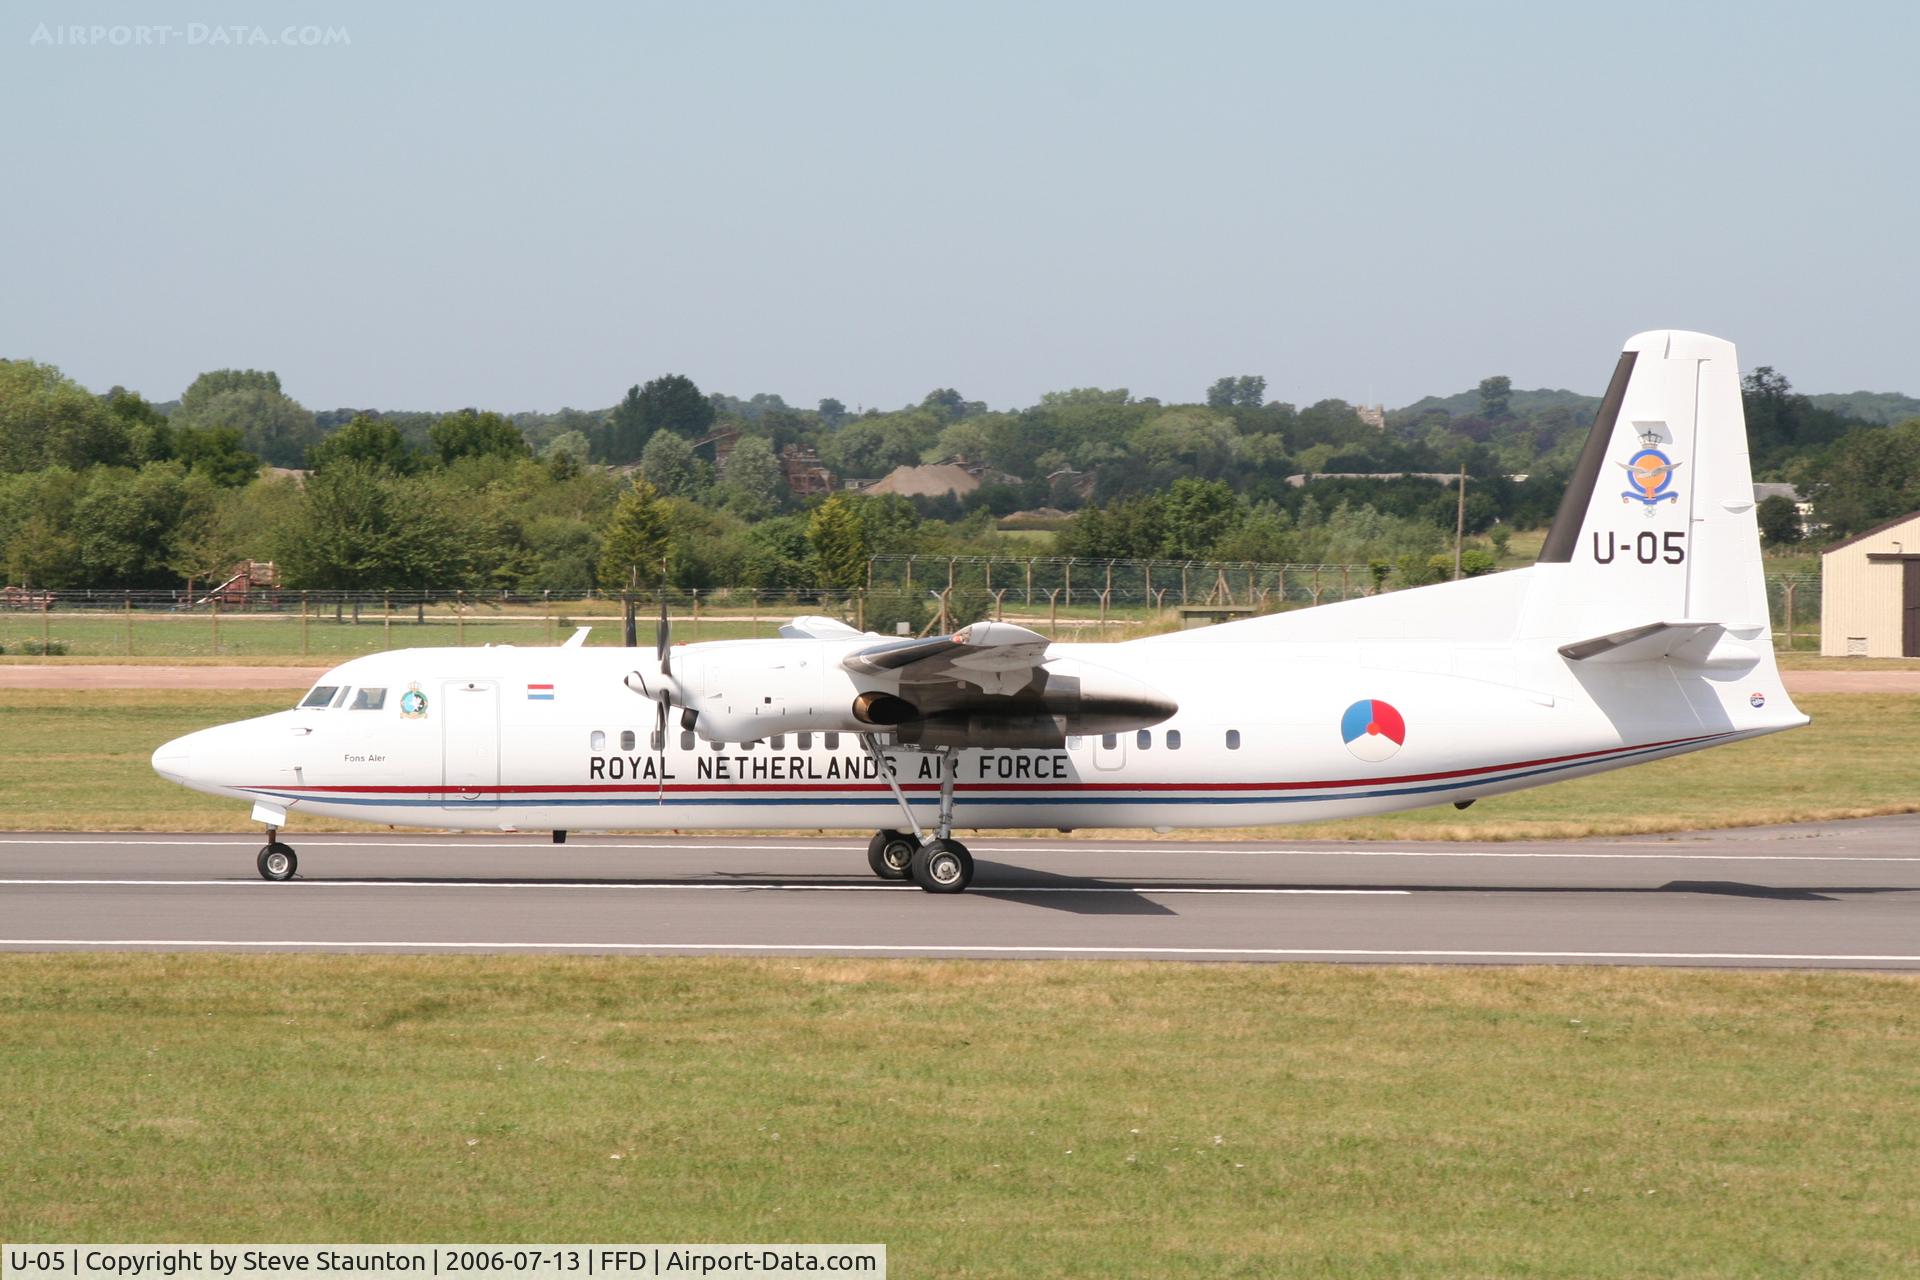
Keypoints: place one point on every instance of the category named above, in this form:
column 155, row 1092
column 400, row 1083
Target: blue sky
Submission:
column 525, row 208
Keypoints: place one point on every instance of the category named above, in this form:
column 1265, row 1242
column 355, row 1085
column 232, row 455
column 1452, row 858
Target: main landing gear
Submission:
column 940, row 864
column 276, row 860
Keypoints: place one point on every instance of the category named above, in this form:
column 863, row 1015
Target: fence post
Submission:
column 1789, row 586
column 215, row 616
column 546, row 604
column 303, row 624
column 1030, row 582
column 696, row 615
column 129, row 624
column 1069, row 583
column 1053, row 610
column 46, row 622
column 386, row 620
column 459, row 618
column 860, row 607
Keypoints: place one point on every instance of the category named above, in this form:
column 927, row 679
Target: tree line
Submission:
column 673, row 483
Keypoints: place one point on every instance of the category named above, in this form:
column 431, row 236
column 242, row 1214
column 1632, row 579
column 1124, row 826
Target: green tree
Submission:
column 838, row 534
column 1779, row 520
column 365, row 439
column 473, row 434
column 49, row 420
column 130, row 524
column 1198, row 515
column 272, row 425
column 1872, row 475
column 1187, row 438
column 673, row 403
column 37, row 542
column 566, row 454
column 832, row 412
column 1494, row 395
column 672, row 467
column 751, row 482
column 635, row 544
column 872, row 446
column 216, row 453
column 360, row 527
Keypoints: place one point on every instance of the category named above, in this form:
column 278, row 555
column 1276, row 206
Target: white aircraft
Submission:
column 1641, row 633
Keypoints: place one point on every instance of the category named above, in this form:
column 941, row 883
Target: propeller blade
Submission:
column 660, row 739
column 663, row 640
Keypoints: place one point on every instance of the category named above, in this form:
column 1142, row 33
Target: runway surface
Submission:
column 1836, row 895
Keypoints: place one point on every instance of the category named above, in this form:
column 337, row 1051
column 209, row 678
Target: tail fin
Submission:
column 1657, row 525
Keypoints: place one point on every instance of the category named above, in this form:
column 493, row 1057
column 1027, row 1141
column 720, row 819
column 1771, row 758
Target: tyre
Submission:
column 942, row 866
column 890, row 854
column 277, row 862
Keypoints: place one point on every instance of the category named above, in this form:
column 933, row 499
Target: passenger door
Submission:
column 470, row 744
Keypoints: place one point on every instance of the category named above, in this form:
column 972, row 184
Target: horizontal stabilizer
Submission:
column 578, row 638
column 1689, row 642
column 815, row 627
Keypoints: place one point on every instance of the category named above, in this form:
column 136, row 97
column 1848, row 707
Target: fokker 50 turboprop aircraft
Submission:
column 1641, row 633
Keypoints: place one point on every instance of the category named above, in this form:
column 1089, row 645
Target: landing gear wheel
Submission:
column 942, row 866
column 277, row 862
column 890, row 854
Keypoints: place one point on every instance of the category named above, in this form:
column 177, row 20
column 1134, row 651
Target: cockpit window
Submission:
column 341, row 700
column 368, row 699
column 321, row 696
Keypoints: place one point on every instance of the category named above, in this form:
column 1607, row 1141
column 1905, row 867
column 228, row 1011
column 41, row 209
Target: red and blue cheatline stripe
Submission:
column 984, row 791
column 539, row 693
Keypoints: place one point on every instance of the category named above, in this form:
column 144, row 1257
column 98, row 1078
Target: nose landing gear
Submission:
column 276, row 861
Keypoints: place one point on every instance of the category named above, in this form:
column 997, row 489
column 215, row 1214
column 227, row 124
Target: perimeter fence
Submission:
column 1072, row 599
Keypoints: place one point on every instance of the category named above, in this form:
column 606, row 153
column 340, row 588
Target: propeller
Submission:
column 664, row 692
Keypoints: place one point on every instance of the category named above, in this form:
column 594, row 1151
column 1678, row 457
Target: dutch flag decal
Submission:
column 1373, row 729
column 539, row 693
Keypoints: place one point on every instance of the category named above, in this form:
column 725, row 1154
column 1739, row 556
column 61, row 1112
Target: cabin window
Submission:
column 831, row 741
column 1108, row 741
column 1073, row 741
column 657, row 740
column 1173, row 739
column 750, row 744
column 366, row 699
column 626, row 739
column 803, row 740
column 718, row 745
column 778, row 742
column 1144, row 740
column 686, row 739
column 321, row 696
column 1233, row 739
column 598, row 741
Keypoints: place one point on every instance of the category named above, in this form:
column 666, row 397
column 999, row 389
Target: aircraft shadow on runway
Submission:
column 1099, row 897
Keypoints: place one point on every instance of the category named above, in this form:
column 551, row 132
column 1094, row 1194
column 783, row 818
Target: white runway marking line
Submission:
column 1225, row 850
column 699, row 888
column 964, row 949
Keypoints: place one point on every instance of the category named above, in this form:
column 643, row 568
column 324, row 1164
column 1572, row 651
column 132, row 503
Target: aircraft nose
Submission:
column 174, row 760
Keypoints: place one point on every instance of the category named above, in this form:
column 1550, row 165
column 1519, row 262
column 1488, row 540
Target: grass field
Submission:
column 109, row 636
column 79, row 760
column 981, row 1119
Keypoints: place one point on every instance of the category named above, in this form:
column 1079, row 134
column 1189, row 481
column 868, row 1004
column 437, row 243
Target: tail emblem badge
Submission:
column 1650, row 472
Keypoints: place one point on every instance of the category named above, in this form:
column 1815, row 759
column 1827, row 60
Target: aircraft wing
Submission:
column 814, row 627
column 994, row 657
